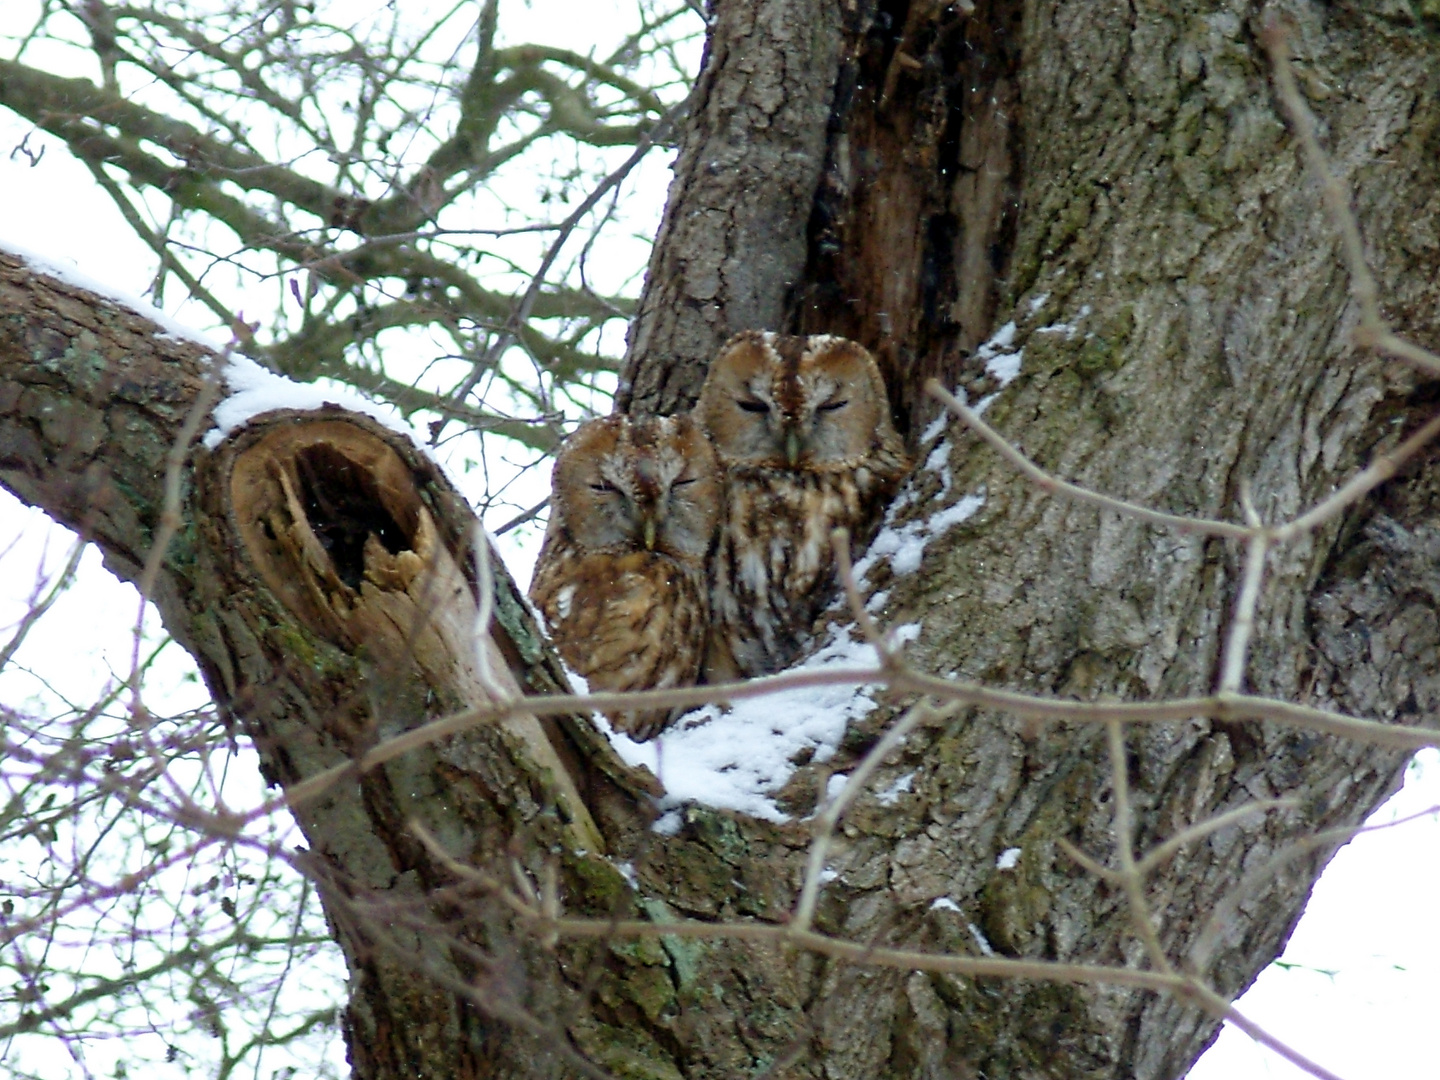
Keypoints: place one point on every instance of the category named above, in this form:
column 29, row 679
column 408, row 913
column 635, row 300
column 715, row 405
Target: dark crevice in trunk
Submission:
column 911, row 233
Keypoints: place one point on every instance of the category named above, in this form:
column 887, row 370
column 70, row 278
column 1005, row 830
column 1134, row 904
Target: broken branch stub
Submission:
column 367, row 545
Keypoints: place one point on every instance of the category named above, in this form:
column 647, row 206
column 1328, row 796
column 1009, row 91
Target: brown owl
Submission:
column 802, row 428
column 621, row 575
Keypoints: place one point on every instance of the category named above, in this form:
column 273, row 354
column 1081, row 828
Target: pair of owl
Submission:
column 696, row 548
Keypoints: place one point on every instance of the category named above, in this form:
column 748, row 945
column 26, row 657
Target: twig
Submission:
column 170, row 519
column 484, row 612
column 488, row 882
column 827, row 820
column 1171, row 847
column 1046, row 482
column 501, row 1005
column 875, row 955
column 1233, row 707
column 1218, row 1007
column 1237, row 642
column 1086, row 863
column 1202, row 951
column 38, row 608
column 1131, row 879
column 904, row 679
column 840, row 542
column 1361, row 484
column 126, row 883
column 520, row 519
column 522, row 310
column 1372, row 330
column 948, row 963
column 169, row 524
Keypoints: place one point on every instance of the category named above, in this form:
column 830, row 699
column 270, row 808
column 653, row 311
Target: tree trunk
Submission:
column 1121, row 187
column 1118, row 185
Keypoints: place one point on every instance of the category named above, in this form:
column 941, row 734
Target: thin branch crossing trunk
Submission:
column 1097, row 216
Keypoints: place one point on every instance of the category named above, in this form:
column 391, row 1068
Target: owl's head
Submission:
column 631, row 483
column 785, row 402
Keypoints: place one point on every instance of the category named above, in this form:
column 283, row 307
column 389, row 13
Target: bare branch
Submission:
column 1372, row 330
column 829, row 817
column 1046, row 482
column 1237, row 642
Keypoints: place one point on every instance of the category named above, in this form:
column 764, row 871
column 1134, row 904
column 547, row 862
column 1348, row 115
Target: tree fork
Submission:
column 1184, row 324
column 323, row 580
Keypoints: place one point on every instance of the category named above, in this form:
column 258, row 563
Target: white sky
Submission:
column 1360, row 980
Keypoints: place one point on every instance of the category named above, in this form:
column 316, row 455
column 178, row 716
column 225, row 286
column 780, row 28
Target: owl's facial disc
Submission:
column 653, row 488
column 688, row 512
column 776, row 401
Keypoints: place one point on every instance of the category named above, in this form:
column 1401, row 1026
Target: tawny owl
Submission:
column 621, row 575
column 802, row 428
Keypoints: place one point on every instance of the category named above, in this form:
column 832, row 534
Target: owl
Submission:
column 802, row 430
column 621, row 580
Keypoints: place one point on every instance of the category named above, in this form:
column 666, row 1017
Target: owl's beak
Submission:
column 792, row 447
column 648, row 532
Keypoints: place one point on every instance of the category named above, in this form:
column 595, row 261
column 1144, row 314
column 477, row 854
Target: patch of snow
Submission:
column 1037, row 302
column 904, row 545
column 1006, row 368
column 254, row 390
column 944, row 903
column 1069, row 329
column 827, row 875
column 1008, row 859
column 934, row 428
column 627, row 871
column 891, row 795
column 980, row 940
column 953, row 515
column 668, row 823
column 903, row 635
column 835, row 785
column 577, row 681
column 1000, row 341
column 941, row 466
column 938, row 460
column 877, row 602
column 901, row 501
column 1002, row 360
column 735, row 760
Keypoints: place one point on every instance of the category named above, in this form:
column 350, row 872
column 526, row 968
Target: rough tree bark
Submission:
column 1116, row 182
column 1120, row 185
